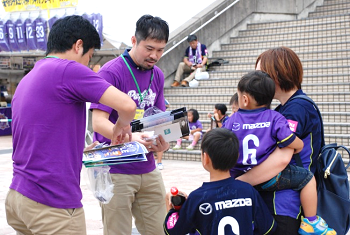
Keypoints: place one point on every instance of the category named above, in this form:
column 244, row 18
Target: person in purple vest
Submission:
column 49, row 113
column 260, row 130
column 139, row 190
column 196, row 57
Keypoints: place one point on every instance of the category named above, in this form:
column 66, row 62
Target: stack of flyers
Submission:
column 170, row 124
column 116, row 154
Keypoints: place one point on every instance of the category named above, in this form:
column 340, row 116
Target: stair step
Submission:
column 301, row 22
column 199, row 105
column 288, row 42
column 329, row 12
column 304, row 56
column 214, row 86
column 333, row 118
column 297, row 49
column 334, row 6
column 254, row 36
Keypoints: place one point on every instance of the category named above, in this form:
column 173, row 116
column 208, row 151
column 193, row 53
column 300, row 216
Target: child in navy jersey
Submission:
column 195, row 130
column 260, row 130
column 223, row 205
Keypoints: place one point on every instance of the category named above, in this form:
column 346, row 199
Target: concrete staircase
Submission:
column 322, row 41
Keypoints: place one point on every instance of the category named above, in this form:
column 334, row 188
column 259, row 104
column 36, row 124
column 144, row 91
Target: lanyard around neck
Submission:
column 137, row 85
column 51, row 56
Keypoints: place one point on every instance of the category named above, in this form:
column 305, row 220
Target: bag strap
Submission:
column 304, row 97
column 347, row 150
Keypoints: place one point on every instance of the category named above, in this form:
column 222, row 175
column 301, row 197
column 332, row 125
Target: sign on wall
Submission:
column 35, row 5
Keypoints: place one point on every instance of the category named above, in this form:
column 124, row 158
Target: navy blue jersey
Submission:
column 304, row 121
column 221, row 207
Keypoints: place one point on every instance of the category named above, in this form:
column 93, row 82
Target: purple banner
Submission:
column 41, row 33
column 21, row 36
column 97, row 23
column 30, row 35
column 51, row 21
column 12, row 37
column 4, row 43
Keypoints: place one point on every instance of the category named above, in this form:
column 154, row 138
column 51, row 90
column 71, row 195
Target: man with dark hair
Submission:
column 196, row 57
column 139, row 190
column 223, row 205
column 49, row 113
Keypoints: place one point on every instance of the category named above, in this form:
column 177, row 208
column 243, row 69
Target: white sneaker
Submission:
column 160, row 166
column 190, row 147
column 176, row 147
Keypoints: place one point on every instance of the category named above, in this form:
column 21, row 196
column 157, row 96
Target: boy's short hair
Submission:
column 68, row 30
column 234, row 99
column 191, row 38
column 195, row 114
column 151, row 27
column 222, row 147
column 284, row 67
column 222, row 108
column 259, row 85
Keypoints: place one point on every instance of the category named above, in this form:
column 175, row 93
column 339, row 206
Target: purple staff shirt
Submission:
column 49, row 113
column 118, row 74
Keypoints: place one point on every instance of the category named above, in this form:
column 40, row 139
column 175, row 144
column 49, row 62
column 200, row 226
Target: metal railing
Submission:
column 199, row 28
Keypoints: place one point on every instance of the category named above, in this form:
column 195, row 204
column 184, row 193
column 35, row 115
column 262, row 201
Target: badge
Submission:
column 139, row 113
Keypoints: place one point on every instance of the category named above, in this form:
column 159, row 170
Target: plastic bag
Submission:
column 193, row 83
column 201, row 75
column 151, row 111
column 101, row 183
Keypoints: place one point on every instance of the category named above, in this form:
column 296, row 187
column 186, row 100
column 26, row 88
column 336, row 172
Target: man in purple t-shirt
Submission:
column 48, row 111
column 138, row 187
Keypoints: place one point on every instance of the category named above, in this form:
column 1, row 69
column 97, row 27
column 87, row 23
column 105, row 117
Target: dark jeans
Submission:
column 292, row 177
column 286, row 225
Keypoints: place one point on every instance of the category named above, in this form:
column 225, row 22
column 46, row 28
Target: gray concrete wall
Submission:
column 228, row 24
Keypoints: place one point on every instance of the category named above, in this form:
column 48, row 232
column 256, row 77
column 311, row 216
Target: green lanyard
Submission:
column 51, row 56
column 137, row 85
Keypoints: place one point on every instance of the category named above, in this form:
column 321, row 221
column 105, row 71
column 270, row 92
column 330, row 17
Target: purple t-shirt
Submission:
column 21, row 36
column 195, row 125
column 11, row 32
column 30, row 34
column 118, row 74
column 259, row 132
column 52, row 21
column 41, row 33
column 4, row 42
column 49, row 113
column 97, row 23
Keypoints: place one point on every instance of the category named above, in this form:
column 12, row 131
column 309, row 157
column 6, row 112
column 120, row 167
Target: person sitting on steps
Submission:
column 196, row 57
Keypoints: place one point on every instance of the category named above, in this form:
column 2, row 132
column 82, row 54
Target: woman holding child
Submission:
column 285, row 68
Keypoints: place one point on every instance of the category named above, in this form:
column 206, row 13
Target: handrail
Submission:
column 213, row 18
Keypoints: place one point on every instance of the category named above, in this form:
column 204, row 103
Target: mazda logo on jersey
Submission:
column 236, row 126
column 205, row 208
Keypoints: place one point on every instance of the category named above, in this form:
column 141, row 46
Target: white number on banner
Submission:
column 10, row 33
column 1, row 34
column 228, row 220
column 40, row 31
column 249, row 153
column 29, row 32
column 95, row 23
column 19, row 32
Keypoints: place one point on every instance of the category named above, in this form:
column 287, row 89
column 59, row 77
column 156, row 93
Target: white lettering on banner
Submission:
column 233, row 203
column 256, row 125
